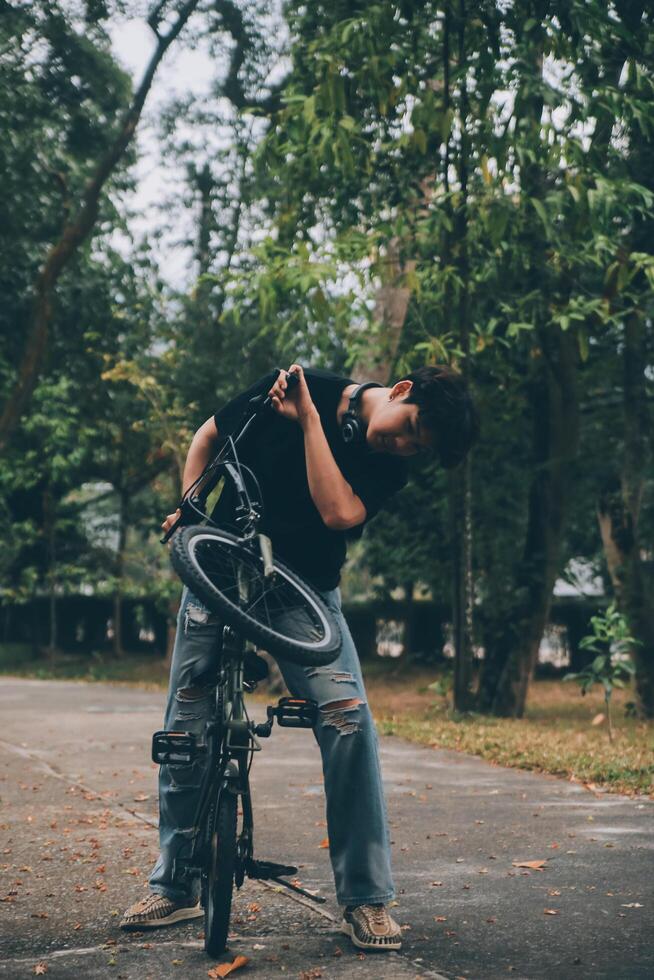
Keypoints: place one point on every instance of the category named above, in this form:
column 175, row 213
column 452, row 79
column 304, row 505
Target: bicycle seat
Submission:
column 255, row 668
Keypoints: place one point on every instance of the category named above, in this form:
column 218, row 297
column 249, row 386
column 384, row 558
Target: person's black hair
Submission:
column 446, row 408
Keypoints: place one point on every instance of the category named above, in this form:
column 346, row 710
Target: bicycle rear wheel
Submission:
column 220, row 874
column 283, row 615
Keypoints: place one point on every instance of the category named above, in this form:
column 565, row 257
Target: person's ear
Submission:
column 400, row 389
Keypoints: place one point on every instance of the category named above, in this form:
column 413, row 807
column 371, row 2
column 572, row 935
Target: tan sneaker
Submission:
column 371, row 927
column 154, row 911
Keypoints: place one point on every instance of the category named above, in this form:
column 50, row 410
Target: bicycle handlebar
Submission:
column 190, row 504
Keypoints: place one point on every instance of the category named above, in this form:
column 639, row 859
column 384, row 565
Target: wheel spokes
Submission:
column 279, row 606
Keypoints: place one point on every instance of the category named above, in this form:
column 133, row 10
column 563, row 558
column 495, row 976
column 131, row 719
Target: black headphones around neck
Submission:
column 353, row 428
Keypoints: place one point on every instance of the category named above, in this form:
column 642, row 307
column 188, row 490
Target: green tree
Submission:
column 68, row 83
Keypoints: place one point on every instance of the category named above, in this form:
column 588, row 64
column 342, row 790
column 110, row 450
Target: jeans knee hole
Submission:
column 339, row 715
column 193, row 693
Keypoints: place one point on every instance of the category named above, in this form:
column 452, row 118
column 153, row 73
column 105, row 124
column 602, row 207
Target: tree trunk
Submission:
column 512, row 656
column 49, row 521
column 391, row 304
column 119, row 574
column 619, row 514
column 409, row 619
column 462, row 588
column 555, row 412
column 460, row 484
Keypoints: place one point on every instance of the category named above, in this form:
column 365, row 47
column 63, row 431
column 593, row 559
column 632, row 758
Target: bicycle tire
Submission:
column 220, row 874
column 316, row 639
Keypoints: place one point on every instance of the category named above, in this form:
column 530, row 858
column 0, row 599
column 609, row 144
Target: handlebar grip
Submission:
column 171, row 530
column 292, row 380
column 190, row 511
column 259, row 401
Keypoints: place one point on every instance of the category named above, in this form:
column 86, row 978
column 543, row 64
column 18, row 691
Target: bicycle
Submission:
column 261, row 602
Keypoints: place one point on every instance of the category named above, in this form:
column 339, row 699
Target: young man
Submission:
column 325, row 466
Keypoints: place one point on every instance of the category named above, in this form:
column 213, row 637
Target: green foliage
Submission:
column 609, row 640
column 513, row 183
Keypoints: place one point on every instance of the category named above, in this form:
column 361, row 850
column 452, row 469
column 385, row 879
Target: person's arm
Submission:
column 199, row 454
column 339, row 506
column 336, row 501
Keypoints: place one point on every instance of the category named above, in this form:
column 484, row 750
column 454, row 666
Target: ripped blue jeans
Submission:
column 359, row 844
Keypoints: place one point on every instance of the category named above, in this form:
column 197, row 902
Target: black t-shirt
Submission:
column 275, row 453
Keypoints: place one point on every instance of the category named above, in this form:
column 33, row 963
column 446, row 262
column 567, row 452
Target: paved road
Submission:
column 78, row 840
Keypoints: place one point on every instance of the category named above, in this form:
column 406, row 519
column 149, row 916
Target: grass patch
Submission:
column 21, row 660
column 556, row 735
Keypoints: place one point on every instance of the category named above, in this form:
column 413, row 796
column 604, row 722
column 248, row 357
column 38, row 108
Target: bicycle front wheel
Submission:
column 220, row 875
column 282, row 614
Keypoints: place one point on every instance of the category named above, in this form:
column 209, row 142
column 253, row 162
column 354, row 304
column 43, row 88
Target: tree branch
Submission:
column 73, row 234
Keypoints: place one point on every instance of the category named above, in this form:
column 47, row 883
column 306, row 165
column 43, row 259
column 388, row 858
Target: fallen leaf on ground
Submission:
column 141, row 798
column 536, row 865
column 598, row 719
column 40, row 969
column 224, row 969
column 632, row 905
column 435, row 884
column 324, row 843
column 440, row 918
column 551, row 911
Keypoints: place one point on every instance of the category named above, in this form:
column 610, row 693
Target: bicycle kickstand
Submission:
column 269, row 871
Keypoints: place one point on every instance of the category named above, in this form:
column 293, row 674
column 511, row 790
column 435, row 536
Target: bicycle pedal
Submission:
column 175, row 748
column 295, row 713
